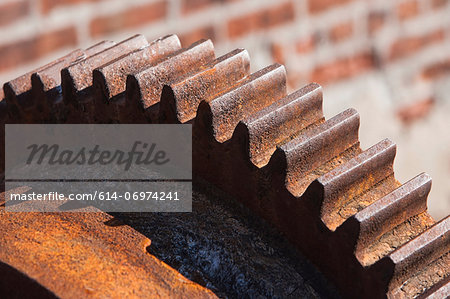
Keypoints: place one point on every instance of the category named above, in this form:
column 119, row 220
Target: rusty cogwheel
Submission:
column 271, row 155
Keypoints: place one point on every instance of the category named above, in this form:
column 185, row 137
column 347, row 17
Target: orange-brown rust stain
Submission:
column 363, row 198
column 359, row 196
column 77, row 255
column 430, row 275
column 302, row 183
column 395, row 238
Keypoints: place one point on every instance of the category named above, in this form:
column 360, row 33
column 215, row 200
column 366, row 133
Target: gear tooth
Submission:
column 318, row 146
column 50, row 77
column 345, row 184
column 150, row 81
column 80, row 73
column 19, row 96
column 46, row 89
column 181, row 98
column 248, row 96
column 77, row 80
column 274, row 124
column 439, row 290
column 110, row 78
column 171, row 39
column 433, row 245
column 385, row 214
column 373, row 225
column 11, row 94
column 99, row 47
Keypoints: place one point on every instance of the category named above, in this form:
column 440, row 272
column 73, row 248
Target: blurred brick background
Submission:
column 389, row 59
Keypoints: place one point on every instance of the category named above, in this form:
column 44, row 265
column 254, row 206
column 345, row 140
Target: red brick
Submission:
column 264, row 19
column 341, row 31
column 305, row 45
column 197, row 34
column 24, row 51
column 130, row 18
column 415, row 111
column 342, row 68
column 317, row 6
column 409, row 45
column 295, row 79
column 439, row 3
column 48, row 5
column 189, row 6
column 407, row 9
column 277, row 51
column 13, row 11
column 436, row 70
column 376, row 20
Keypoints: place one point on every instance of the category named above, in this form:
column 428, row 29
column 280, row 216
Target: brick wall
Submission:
column 389, row 59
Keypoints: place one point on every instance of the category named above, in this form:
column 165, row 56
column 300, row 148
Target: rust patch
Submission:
column 75, row 255
column 276, row 154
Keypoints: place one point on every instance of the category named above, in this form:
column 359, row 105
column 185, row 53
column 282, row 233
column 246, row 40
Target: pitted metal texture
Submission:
column 274, row 152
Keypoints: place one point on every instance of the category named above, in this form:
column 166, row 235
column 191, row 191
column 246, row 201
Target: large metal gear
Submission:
column 275, row 153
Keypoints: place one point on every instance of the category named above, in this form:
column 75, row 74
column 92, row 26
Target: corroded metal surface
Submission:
column 280, row 121
column 78, row 76
column 111, row 77
column 321, row 143
column 382, row 216
column 79, row 255
column 352, row 180
column 275, row 153
column 146, row 85
column 77, row 88
column 18, row 93
column 190, row 89
column 227, row 252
